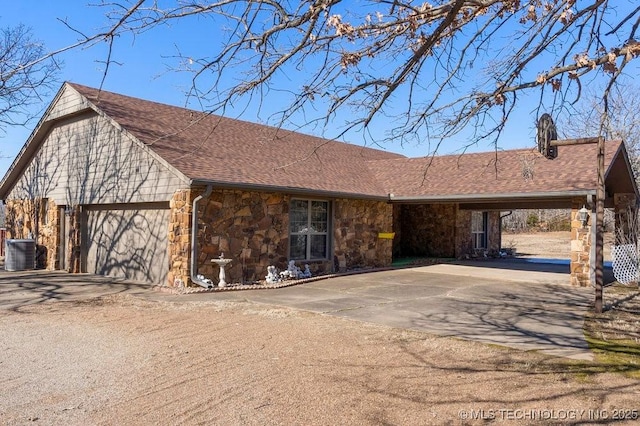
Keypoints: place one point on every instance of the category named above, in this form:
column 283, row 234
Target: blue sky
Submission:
column 144, row 63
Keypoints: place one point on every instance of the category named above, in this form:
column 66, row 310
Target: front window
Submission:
column 479, row 229
column 309, row 229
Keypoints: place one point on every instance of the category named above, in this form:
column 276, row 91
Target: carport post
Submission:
column 600, row 227
column 599, row 260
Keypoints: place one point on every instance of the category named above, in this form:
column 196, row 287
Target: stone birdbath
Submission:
column 222, row 262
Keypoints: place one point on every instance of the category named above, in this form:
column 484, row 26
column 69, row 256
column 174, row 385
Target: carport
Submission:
column 455, row 211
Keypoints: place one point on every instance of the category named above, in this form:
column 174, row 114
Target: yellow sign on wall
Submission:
column 386, row 235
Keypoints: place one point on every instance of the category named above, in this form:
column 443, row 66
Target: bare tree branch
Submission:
column 428, row 71
column 24, row 79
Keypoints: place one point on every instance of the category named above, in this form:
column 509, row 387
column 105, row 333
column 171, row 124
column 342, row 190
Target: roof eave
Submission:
column 289, row 190
column 513, row 196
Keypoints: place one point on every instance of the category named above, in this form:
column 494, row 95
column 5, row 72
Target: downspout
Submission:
column 194, row 237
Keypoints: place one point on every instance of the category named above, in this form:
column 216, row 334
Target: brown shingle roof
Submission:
column 522, row 171
column 224, row 150
column 228, row 151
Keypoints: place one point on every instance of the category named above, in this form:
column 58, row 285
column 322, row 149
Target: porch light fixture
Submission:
column 583, row 216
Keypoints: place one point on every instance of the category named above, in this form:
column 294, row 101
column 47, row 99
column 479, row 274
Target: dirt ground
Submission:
column 125, row 360
column 554, row 245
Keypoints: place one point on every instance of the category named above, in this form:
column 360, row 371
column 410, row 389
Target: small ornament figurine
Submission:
column 272, row 275
column 307, row 272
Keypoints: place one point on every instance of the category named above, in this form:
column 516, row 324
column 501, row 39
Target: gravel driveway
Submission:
column 77, row 350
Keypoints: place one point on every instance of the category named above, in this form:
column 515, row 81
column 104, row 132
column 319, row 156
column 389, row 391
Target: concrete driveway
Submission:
column 529, row 310
column 519, row 308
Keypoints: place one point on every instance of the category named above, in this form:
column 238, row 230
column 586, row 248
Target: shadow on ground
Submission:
column 18, row 289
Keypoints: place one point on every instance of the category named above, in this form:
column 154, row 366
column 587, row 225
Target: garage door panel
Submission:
column 128, row 243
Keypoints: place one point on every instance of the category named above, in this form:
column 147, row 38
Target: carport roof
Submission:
column 521, row 174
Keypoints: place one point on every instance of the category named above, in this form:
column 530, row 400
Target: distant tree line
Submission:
column 545, row 220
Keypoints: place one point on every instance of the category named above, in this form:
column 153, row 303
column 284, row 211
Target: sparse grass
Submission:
column 614, row 336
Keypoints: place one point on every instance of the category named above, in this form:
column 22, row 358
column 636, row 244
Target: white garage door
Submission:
column 128, row 242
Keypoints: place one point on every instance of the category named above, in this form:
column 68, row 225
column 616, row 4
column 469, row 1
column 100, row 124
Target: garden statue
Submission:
column 272, row 275
column 292, row 271
column 307, row 272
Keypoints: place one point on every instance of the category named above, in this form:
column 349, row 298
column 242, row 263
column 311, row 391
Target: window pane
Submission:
column 319, row 216
column 476, row 222
column 479, row 240
column 298, row 247
column 318, row 247
column 299, row 216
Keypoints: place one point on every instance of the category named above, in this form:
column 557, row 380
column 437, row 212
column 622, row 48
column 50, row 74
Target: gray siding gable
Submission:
column 77, row 155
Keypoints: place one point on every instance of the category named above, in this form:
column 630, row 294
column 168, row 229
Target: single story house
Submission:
column 114, row 185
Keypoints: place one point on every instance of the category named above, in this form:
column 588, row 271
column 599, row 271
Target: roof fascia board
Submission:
column 491, row 197
column 288, row 190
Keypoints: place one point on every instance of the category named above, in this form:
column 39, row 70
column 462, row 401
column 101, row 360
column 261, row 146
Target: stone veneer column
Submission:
column 74, row 248
column 464, row 241
column 179, row 237
column 580, row 247
column 49, row 234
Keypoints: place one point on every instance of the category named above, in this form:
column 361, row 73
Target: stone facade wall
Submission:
column 397, row 228
column 38, row 219
column 494, row 233
column 439, row 230
column 464, row 240
column 357, row 224
column 427, row 230
column 252, row 229
column 580, row 248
